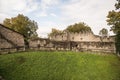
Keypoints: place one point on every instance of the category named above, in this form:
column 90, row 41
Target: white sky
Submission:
column 59, row 13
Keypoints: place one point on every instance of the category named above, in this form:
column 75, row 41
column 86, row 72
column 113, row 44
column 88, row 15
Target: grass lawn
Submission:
column 59, row 66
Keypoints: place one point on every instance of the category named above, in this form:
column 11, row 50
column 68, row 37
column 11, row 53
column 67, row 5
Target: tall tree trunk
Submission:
column 117, row 43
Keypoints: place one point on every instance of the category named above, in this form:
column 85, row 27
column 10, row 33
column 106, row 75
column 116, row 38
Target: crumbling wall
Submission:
column 10, row 39
column 82, row 37
column 72, row 45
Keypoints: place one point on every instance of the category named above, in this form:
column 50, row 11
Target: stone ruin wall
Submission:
column 40, row 44
column 77, row 42
column 66, row 41
column 72, row 45
column 87, row 41
column 95, row 46
column 15, row 37
column 11, row 38
column 82, row 37
column 4, row 44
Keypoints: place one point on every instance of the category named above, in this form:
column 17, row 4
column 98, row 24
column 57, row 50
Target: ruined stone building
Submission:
column 41, row 43
column 82, row 37
column 10, row 40
column 75, row 42
column 87, row 41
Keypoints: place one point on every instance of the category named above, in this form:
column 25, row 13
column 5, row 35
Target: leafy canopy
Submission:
column 23, row 25
column 79, row 27
column 113, row 19
column 103, row 32
column 55, row 32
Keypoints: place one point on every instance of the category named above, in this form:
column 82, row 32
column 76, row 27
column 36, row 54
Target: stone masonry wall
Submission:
column 10, row 38
column 45, row 44
column 82, row 37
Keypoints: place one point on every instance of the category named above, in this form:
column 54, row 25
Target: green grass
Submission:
column 59, row 66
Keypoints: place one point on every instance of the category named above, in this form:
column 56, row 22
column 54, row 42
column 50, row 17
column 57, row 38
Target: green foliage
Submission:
column 55, row 32
column 23, row 25
column 79, row 27
column 114, row 21
column 103, row 32
column 117, row 5
column 59, row 66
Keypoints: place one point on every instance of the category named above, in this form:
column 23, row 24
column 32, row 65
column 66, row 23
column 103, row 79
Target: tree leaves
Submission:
column 23, row 25
column 117, row 5
column 103, row 32
column 79, row 27
column 55, row 32
column 114, row 20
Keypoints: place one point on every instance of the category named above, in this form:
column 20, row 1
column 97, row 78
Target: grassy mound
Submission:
column 59, row 66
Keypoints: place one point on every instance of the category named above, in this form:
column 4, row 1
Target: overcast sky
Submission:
column 59, row 13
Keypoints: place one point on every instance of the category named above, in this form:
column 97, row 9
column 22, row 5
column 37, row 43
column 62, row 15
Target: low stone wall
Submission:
column 45, row 44
column 12, row 49
column 95, row 46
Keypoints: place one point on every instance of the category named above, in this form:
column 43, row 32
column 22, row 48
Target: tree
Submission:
column 23, row 25
column 103, row 32
column 114, row 20
column 117, row 5
column 55, row 32
column 79, row 27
